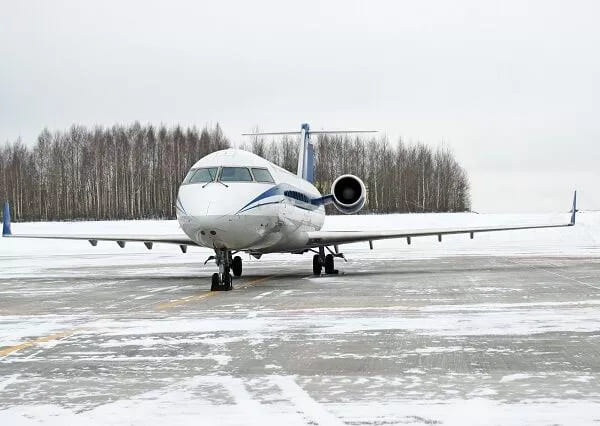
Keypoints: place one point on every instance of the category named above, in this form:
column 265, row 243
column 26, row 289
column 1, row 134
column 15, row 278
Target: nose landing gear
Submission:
column 222, row 280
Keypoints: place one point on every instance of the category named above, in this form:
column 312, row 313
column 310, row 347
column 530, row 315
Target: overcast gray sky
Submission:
column 513, row 87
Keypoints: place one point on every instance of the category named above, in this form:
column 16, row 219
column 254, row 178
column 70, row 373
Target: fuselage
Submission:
column 236, row 200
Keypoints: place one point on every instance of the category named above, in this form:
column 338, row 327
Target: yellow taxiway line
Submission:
column 56, row 336
column 173, row 304
column 256, row 281
column 183, row 301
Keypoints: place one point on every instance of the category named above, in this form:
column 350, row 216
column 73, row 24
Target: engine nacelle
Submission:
column 349, row 194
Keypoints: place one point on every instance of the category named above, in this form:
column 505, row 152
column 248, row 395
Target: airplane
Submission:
column 234, row 201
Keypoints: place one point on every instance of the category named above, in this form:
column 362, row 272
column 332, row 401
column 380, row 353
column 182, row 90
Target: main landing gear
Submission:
column 321, row 260
column 236, row 266
column 222, row 280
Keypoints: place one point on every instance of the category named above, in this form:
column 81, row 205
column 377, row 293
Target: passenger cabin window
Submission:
column 235, row 174
column 203, row 175
column 297, row 196
column 262, row 175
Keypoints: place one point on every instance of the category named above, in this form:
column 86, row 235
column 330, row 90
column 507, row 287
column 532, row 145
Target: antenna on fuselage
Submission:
column 306, row 154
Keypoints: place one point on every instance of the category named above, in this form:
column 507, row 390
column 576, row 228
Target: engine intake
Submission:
column 349, row 194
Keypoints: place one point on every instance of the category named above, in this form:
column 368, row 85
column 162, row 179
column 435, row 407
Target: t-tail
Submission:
column 306, row 154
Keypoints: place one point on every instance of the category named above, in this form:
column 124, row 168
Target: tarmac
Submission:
column 386, row 341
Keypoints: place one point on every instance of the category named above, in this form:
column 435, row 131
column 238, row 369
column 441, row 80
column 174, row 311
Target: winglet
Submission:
column 6, row 220
column 574, row 209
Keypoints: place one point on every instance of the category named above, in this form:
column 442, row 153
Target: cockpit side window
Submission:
column 235, row 174
column 203, row 175
column 262, row 175
column 189, row 176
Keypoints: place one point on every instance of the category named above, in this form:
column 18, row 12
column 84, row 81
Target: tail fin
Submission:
column 306, row 155
column 310, row 162
column 6, row 220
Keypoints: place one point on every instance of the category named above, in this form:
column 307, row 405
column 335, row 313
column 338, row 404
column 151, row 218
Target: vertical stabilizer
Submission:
column 6, row 220
column 306, row 155
column 310, row 162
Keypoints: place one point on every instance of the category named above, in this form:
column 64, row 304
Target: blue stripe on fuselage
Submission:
column 274, row 190
column 280, row 189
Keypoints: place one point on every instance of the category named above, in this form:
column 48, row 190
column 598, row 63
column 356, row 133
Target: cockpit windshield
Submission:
column 229, row 174
column 235, row 174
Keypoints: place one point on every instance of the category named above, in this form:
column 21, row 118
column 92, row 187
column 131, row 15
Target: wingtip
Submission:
column 6, row 220
column 574, row 208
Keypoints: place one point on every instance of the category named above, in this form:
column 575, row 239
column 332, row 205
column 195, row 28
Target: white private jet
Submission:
column 234, row 201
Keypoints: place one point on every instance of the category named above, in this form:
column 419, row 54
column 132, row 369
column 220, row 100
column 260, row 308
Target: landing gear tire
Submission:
column 215, row 284
column 330, row 264
column 223, row 281
column 236, row 266
column 317, row 265
column 227, row 282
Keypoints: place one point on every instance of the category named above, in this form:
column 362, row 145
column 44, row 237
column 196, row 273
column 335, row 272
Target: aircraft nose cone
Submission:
column 210, row 214
column 213, row 199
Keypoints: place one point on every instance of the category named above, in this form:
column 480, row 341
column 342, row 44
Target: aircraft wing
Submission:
column 148, row 239
column 182, row 240
column 325, row 238
column 94, row 238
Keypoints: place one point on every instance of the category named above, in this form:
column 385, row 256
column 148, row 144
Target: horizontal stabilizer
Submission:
column 339, row 132
column 271, row 133
column 312, row 132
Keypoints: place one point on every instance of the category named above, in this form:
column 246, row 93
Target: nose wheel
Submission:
column 222, row 280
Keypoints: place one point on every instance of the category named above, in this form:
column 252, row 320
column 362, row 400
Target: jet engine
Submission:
column 349, row 194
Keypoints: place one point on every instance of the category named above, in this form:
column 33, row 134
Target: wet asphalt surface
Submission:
column 511, row 330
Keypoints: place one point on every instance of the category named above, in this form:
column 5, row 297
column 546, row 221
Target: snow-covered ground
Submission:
column 180, row 405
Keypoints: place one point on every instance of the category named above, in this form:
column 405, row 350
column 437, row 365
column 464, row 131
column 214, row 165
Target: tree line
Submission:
column 120, row 172
column 133, row 171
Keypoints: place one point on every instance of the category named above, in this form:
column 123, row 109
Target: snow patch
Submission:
column 513, row 377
